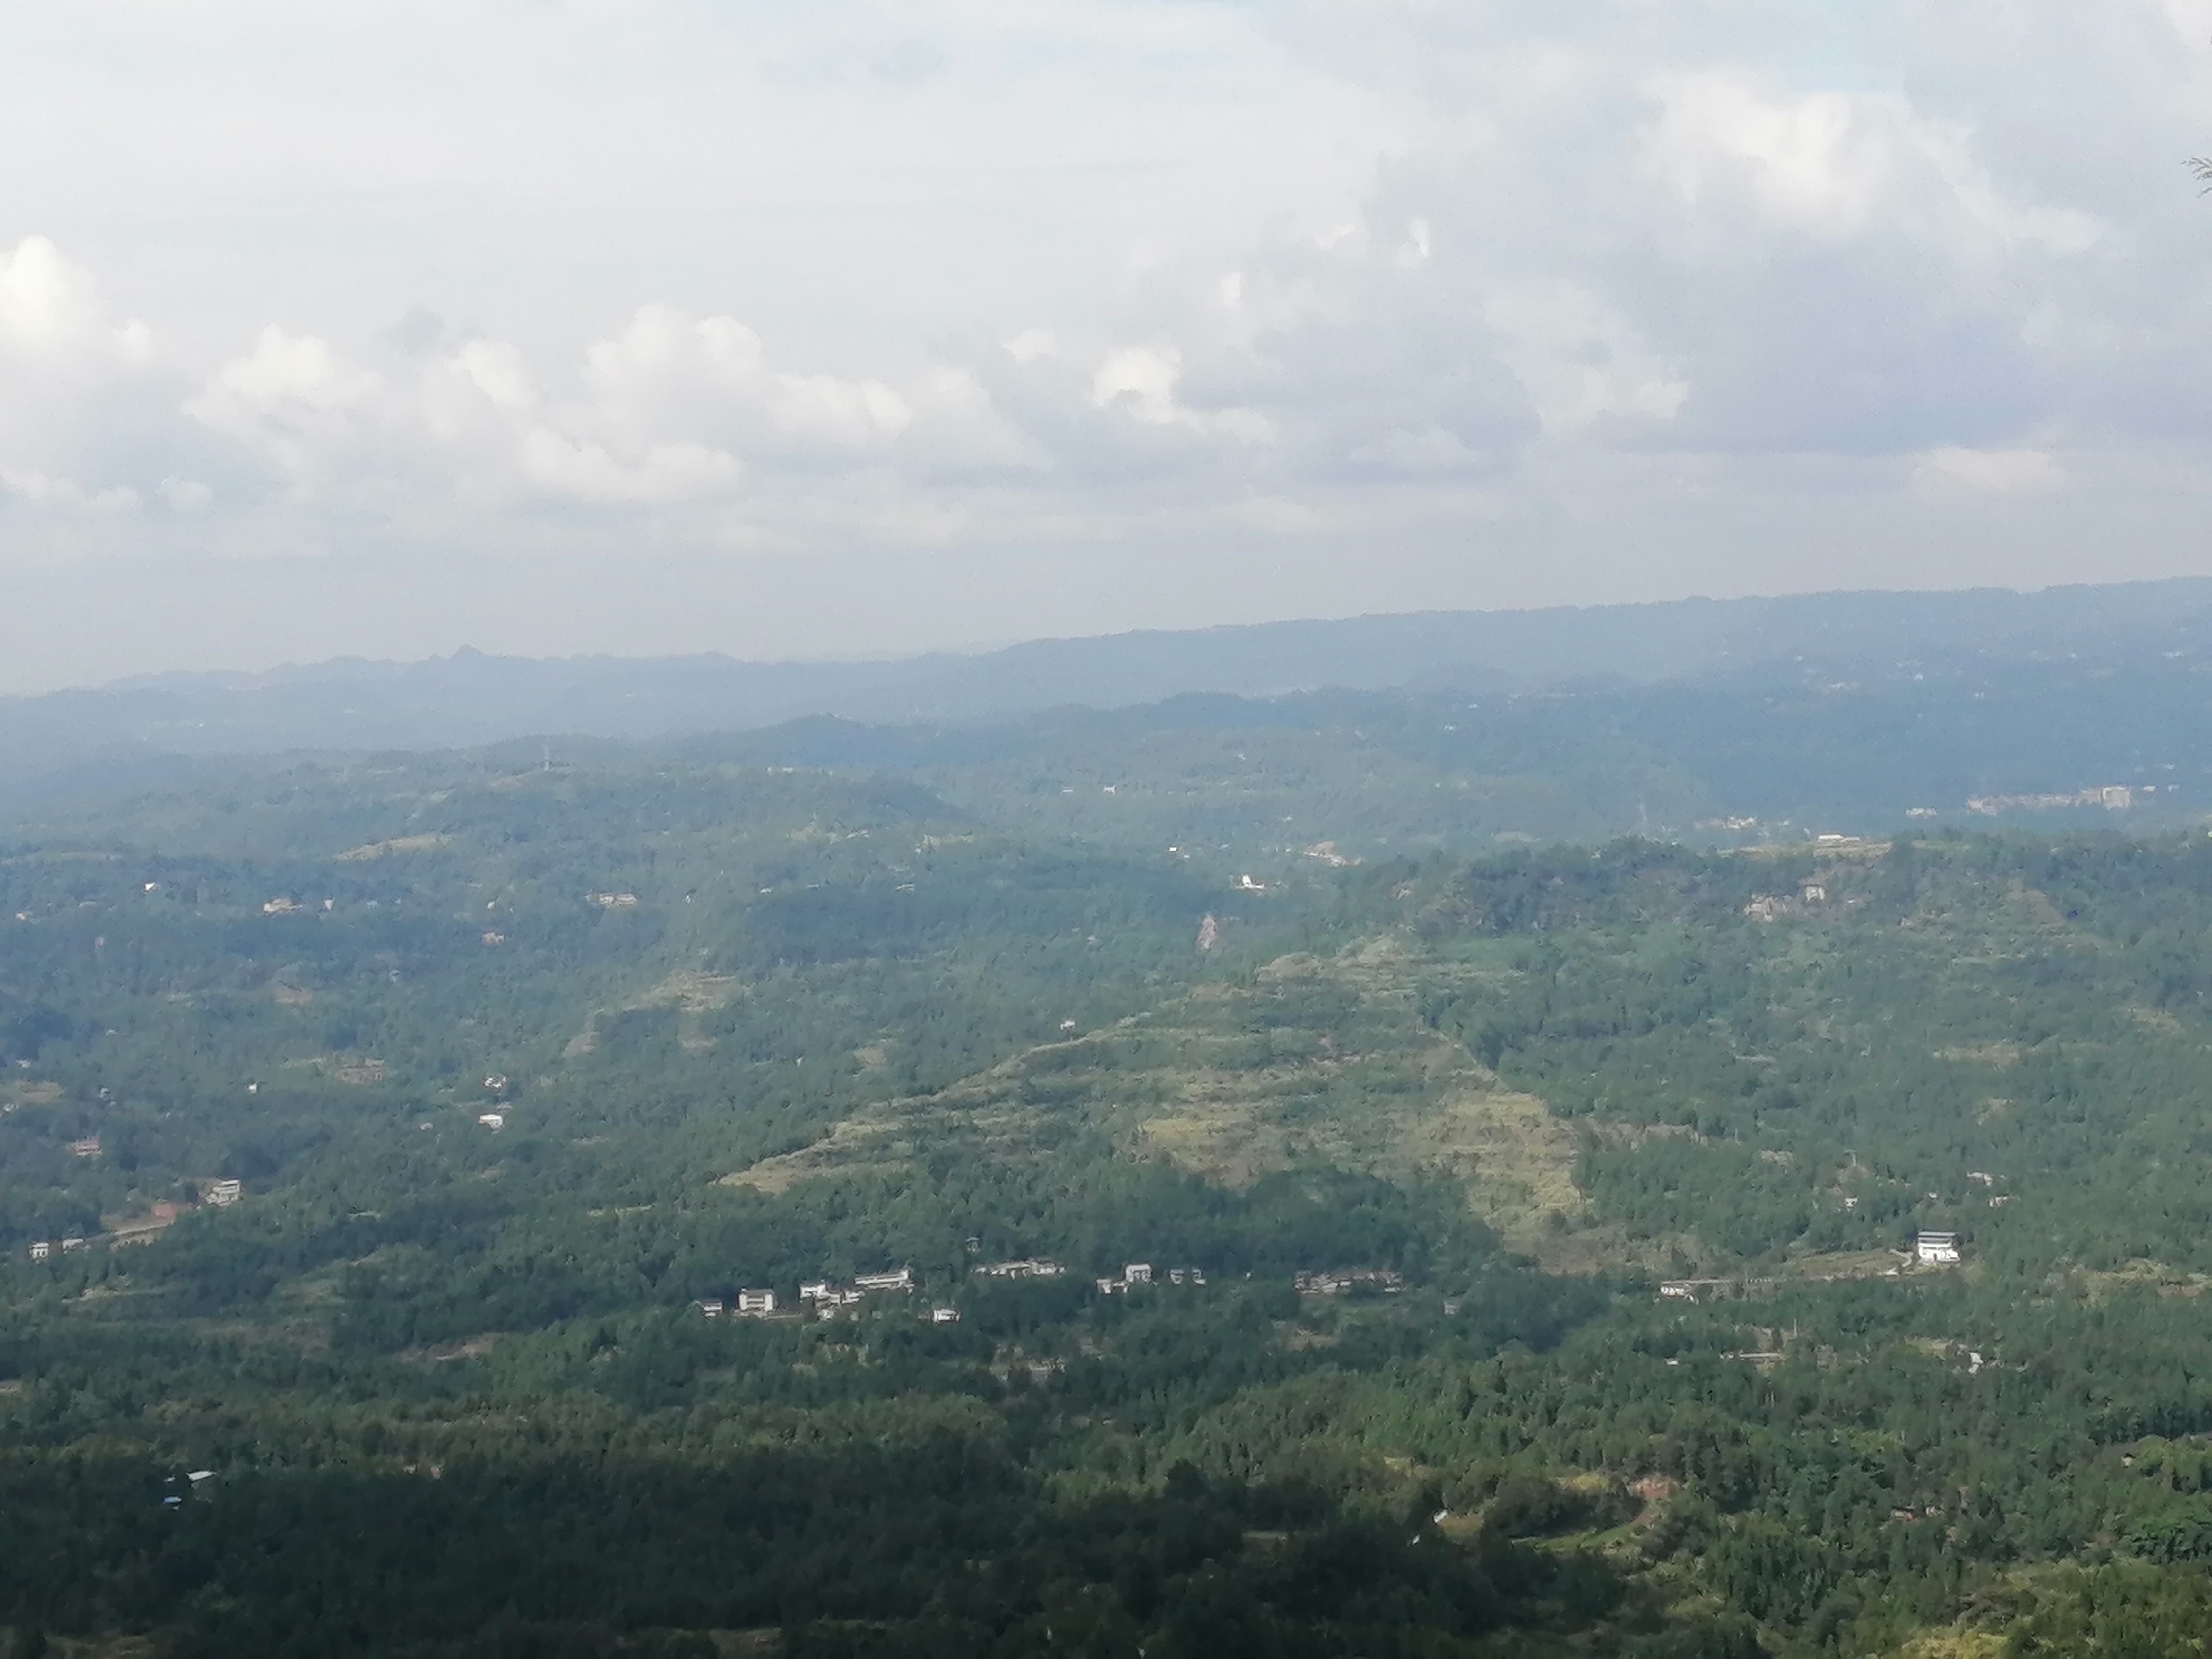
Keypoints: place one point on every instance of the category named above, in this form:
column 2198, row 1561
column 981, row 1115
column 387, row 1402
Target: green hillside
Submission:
column 1530, row 1234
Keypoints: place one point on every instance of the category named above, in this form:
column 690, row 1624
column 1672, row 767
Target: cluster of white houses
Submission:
column 827, row 1297
column 1141, row 1272
column 1030, row 1267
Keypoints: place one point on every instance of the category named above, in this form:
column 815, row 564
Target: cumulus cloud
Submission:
column 1833, row 164
column 1602, row 242
column 70, row 375
column 1954, row 471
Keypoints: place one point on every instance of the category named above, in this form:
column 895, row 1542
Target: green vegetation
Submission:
column 745, row 1026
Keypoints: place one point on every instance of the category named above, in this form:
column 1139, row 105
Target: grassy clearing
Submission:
column 1316, row 1061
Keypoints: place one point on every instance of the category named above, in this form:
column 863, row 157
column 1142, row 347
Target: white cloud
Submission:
column 1092, row 275
column 297, row 404
column 66, row 494
column 186, row 494
column 1952, row 470
column 1834, row 164
column 46, row 303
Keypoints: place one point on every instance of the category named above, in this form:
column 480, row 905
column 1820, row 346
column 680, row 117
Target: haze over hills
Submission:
column 1443, row 729
column 471, row 698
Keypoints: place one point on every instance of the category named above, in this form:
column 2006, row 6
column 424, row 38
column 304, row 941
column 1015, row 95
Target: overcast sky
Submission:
column 556, row 325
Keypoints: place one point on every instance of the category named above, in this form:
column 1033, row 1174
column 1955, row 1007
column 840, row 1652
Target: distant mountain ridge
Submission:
column 123, row 731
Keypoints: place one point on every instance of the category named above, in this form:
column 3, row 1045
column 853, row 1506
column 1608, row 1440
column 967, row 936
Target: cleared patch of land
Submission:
column 374, row 849
column 1316, row 1061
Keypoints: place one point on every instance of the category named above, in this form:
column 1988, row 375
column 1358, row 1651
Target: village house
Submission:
column 1936, row 1248
column 829, row 1297
column 41, row 1249
column 895, row 1279
column 492, row 1120
column 1035, row 1267
column 1339, row 1279
column 711, row 1306
column 278, row 907
column 225, row 1192
column 87, row 1147
column 1137, row 1273
column 614, row 900
column 755, row 1304
column 944, row 1316
column 72, row 1243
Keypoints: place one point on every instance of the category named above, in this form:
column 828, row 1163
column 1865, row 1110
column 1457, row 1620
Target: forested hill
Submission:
column 125, row 730
column 1515, row 1253
column 1269, row 786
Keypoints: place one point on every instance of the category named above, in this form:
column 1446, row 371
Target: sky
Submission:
column 555, row 327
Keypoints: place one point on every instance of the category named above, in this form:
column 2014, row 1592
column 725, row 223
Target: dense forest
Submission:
column 633, row 1202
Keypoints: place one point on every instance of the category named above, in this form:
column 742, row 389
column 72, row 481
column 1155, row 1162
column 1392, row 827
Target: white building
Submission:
column 817, row 1291
column 1137, row 1273
column 492, row 1120
column 1936, row 1248
column 896, row 1279
column 225, row 1192
column 755, row 1304
column 944, row 1316
column 40, row 1248
column 711, row 1306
